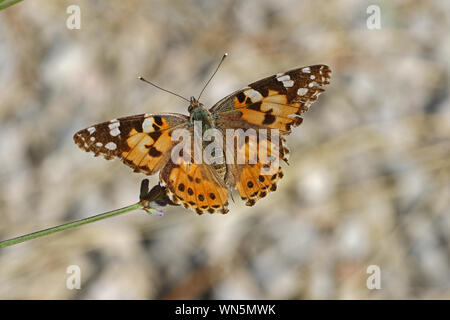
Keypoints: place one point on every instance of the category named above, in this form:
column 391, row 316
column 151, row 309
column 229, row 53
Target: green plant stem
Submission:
column 8, row 4
column 70, row 225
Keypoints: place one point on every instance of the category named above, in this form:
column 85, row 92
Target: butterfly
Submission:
column 144, row 142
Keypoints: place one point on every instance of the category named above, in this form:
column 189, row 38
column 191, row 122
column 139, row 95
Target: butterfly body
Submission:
column 146, row 142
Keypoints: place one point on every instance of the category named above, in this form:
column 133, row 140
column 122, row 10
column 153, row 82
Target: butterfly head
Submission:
column 198, row 112
column 194, row 104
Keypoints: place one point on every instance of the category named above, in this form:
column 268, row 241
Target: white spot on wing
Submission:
column 253, row 95
column 91, row 130
column 92, row 139
column 302, row 91
column 288, row 83
column 284, row 78
column 147, row 125
column 306, row 70
column 99, row 144
column 114, row 128
column 114, row 124
column 114, row 132
column 111, row 146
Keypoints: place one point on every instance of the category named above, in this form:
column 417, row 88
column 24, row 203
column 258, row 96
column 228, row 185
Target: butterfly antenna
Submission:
column 175, row 94
column 218, row 66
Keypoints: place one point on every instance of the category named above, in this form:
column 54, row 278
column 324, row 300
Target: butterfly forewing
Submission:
column 273, row 102
column 143, row 142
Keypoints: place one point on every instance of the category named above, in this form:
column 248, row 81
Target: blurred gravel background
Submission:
column 368, row 183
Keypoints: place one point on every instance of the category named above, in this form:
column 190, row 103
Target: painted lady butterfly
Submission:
column 144, row 142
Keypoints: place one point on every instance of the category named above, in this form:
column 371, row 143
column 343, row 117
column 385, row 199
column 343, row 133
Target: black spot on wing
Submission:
column 154, row 152
column 241, row 97
column 255, row 106
column 269, row 118
column 155, row 135
column 158, row 120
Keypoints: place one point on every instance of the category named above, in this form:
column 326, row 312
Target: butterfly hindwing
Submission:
column 143, row 142
column 195, row 186
column 253, row 184
column 258, row 173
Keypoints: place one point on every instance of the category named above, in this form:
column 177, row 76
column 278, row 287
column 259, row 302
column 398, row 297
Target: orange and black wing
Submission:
column 195, row 186
column 275, row 102
column 143, row 142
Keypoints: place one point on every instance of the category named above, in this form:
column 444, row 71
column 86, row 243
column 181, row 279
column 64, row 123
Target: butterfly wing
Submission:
column 275, row 102
column 195, row 186
column 143, row 142
column 254, row 180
